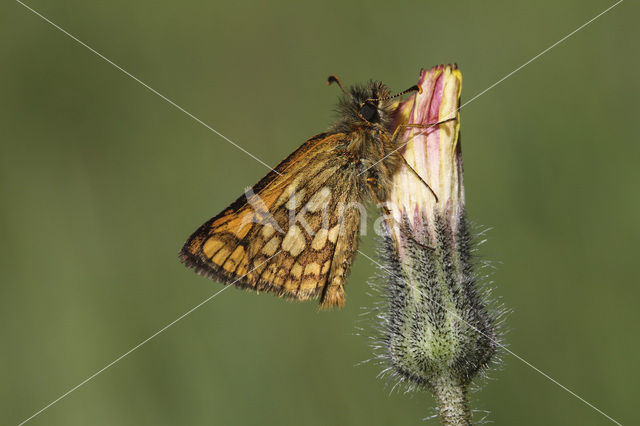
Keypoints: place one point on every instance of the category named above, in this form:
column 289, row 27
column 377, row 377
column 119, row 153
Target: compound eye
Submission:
column 369, row 112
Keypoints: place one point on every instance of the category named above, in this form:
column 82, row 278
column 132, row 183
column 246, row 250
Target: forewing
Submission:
column 293, row 233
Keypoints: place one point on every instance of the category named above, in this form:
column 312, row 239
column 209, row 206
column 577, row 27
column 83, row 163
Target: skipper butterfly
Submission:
column 295, row 232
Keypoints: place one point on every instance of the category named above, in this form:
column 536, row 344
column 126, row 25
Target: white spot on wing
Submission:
column 333, row 233
column 267, row 231
column 319, row 199
column 294, row 241
column 295, row 200
column 320, row 239
column 271, row 246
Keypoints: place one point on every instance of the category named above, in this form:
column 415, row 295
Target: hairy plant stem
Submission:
column 453, row 405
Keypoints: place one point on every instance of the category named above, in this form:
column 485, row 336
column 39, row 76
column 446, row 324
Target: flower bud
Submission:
column 437, row 332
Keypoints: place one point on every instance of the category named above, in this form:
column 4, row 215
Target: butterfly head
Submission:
column 366, row 106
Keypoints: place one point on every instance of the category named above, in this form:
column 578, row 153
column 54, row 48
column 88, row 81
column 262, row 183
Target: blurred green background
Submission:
column 102, row 181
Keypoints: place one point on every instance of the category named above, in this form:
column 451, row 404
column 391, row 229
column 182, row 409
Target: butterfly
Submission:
column 295, row 232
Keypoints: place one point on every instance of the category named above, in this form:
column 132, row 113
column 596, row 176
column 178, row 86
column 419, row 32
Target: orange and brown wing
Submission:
column 294, row 233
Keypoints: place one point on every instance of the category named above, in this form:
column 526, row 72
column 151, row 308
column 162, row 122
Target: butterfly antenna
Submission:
column 414, row 88
column 334, row 79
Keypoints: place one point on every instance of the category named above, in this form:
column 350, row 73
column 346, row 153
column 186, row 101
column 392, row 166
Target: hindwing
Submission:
column 294, row 233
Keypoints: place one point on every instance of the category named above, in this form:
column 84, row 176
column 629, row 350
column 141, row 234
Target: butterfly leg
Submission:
column 404, row 160
column 401, row 226
column 397, row 154
column 372, row 182
column 406, row 163
column 419, row 126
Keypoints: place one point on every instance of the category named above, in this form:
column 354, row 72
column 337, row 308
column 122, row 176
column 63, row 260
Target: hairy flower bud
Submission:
column 437, row 332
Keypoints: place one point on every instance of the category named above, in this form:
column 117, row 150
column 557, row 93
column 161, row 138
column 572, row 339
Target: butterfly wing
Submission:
column 294, row 233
